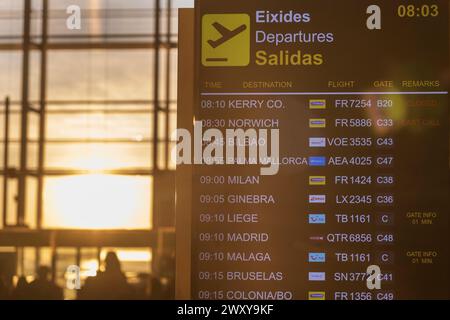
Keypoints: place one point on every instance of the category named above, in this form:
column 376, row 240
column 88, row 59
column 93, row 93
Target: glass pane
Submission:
column 99, row 156
column 131, row 19
column 100, row 75
column 131, row 127
column 98, row 202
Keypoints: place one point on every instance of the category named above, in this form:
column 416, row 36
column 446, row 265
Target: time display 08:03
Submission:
column 411, row 11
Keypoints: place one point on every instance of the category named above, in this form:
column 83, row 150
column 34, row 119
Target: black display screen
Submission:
column 343, row 111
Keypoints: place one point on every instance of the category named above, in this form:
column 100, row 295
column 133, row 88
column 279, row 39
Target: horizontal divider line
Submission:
column 322, row 93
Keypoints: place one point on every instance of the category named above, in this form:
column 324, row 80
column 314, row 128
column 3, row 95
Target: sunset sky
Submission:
column 90, row 201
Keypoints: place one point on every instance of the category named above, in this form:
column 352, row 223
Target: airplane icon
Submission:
column 225, row 40
column 226, row 33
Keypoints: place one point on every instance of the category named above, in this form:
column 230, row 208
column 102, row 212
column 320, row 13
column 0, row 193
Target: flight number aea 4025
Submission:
column 381, row 161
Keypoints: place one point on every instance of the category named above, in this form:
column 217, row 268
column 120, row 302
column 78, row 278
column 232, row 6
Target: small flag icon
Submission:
column 317, row 180
column 317, row 123
column 317, row 161
column 316, row 295
column 317, row 142
column 316, row 238
column 316, row 218
column 317, row 104
column 317, row 198
column 316, row 276
column 317, row 257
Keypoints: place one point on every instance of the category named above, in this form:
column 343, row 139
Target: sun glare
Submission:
column 98, row 201
column 95, row 158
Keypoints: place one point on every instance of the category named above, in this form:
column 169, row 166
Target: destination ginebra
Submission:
column 287, row 57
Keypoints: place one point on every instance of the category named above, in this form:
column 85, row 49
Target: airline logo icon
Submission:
column 316, row 238
column 317, row 161
column 317, row 180
column 317, row 123
column 317, row 142
column 317, row 198
column 317, row 218
column 317, row 104
column 316, row 276
column 316, row 295
column 225, row 40
column 316, row 257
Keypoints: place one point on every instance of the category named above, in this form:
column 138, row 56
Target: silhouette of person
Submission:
column 110, row 284
column 44, row 289
column 142, row 287
column 156, row 289
column 22, row 290
column 3, row 289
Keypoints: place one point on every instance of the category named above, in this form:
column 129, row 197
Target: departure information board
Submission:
column 323, row 150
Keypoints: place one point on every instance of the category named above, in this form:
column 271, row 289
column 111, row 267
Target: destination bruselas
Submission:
column 253, row 276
